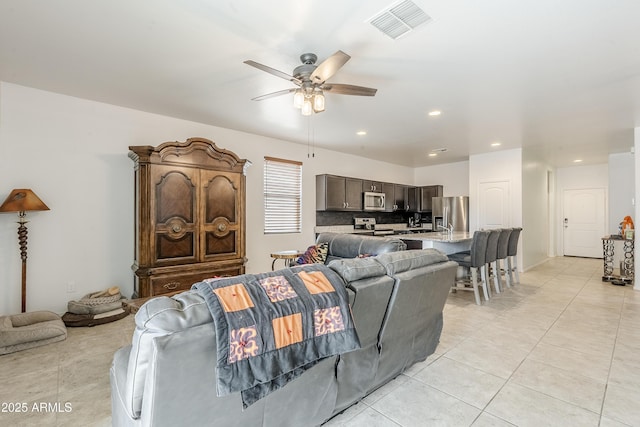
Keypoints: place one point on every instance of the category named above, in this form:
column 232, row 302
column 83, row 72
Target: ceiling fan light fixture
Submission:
column 298, row 99
column 307, row 107
column 318, row 101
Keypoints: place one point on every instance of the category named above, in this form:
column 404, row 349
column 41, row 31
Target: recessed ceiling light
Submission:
column 496, row 144
column 433, row 154
column 577, row 161
column 435, row 113
column 361, row 132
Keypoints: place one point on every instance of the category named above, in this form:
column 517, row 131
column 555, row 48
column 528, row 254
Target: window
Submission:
column 282, row 196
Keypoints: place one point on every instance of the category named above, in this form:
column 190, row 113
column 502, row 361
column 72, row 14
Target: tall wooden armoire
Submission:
column 190, row 215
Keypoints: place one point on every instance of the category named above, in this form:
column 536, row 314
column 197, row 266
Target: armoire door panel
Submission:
column 221, row 245
column 221, row 210
column 175, row 196
column 168, row 248
column 175, row 207
column 221, row 240
column 220, row 198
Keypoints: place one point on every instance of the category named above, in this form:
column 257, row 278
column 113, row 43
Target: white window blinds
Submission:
column 282, row 196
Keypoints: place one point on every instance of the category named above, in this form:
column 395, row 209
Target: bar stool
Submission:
column 512, row 258
column 491, row 259
column 503, row 253
column 474, row 260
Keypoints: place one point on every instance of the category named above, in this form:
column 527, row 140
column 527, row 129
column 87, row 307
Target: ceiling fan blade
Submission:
column 273, row 94
column 349, row 89
column 329, row 67
column 273, row 71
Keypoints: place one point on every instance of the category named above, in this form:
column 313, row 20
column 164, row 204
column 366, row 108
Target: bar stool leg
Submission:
column 486, row 276
column 474, row 283
column 515, row 268
column 505, row 268
column 496, row 277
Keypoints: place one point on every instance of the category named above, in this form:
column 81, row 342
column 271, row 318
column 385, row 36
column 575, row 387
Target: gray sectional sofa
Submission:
column 166, row 377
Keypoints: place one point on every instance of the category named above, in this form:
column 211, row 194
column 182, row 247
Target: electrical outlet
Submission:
column 71, row 287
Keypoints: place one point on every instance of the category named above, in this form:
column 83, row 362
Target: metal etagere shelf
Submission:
column 626, row 265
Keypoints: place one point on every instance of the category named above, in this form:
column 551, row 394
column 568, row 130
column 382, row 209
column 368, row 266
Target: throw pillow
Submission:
column 315, row 254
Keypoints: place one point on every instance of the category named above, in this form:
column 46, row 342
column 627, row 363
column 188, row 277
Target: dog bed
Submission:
column 73, row 320
column 28, row 330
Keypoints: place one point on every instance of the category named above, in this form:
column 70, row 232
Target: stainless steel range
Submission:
column 369, row 223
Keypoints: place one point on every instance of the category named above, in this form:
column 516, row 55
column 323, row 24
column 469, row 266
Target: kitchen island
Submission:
column 448, row 243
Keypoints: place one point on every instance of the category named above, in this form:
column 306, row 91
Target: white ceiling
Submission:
column 561, row 76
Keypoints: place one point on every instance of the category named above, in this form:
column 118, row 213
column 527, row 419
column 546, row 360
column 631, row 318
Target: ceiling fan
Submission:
column 311, row 80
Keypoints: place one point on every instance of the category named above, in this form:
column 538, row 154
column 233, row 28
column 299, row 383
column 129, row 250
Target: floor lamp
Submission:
column 21, row 201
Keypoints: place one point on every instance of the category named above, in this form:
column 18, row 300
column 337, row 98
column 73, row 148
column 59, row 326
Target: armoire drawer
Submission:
column 163, row 284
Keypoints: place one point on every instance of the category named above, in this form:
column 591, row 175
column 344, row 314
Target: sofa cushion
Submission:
column 397, row 262
column 315, row 254
column 357, row 268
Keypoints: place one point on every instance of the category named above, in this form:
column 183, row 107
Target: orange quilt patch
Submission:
column 316, row 282
column 234, row 297
column 287, row 330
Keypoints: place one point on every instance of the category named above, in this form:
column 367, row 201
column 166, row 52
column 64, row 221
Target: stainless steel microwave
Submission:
column 373, row 201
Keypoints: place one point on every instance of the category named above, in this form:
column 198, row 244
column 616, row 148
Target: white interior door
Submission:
column 493, row 204
column 583, row 222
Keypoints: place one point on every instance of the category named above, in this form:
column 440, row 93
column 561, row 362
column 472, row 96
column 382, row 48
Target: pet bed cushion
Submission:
column 28, row 330
column 71, row 319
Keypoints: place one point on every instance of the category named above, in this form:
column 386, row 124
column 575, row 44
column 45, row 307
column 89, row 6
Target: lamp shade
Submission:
column 21, row 200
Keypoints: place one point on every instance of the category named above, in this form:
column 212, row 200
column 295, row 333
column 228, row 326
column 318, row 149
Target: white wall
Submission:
column 621, row 189
column 73, row 154
column 453, row 176
column 535, row 206
column 574, row 178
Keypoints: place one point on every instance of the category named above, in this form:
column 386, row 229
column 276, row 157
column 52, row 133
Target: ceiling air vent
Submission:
column 399, row 19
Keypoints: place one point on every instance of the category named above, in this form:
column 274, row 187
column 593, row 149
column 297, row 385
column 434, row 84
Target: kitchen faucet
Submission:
column 449, row 228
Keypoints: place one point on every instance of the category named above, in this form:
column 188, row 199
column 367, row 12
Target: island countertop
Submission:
column 455, row 237
column 457, row 241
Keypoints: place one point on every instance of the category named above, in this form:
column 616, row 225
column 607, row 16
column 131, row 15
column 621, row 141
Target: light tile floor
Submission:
column 561, row 348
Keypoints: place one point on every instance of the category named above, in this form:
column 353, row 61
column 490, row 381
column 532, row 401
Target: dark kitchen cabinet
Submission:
column 400, row 197
column 413, row 199
column 420, row 197
column 427, row 193
column 338, row 193
column 389, row 193
column 375, row 186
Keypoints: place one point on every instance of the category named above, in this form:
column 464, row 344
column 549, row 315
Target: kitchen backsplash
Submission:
column 326, row 218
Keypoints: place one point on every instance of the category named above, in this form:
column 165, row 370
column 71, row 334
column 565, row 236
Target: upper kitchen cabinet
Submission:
column 389, row 193
column 375, row 186
column 420, row 197
column 427, row 193
column 400, row 197
column 338, row 193
column 396, row 195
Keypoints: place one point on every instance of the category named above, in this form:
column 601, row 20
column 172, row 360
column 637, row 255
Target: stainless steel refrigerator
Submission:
column 451, row 211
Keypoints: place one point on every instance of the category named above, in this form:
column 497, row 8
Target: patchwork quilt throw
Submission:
column 271, row 327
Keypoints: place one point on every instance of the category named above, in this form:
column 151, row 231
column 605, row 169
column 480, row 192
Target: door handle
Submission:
column 566, row 223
